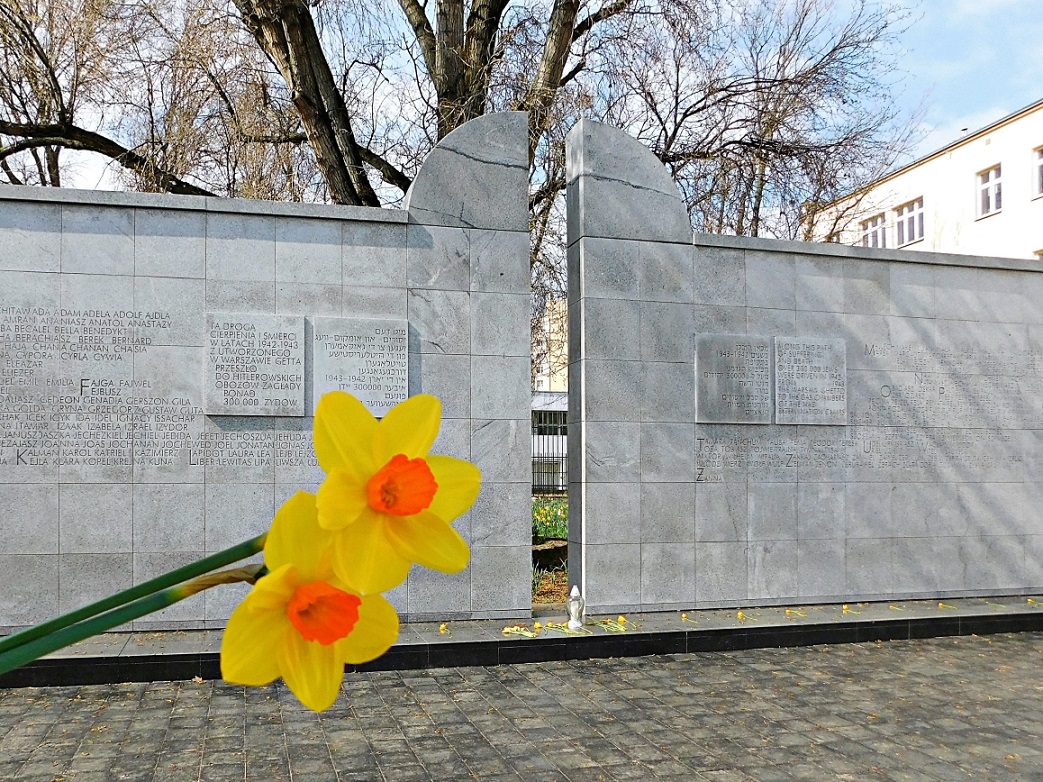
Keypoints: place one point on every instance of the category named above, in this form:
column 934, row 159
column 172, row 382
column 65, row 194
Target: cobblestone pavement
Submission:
column 966, row 708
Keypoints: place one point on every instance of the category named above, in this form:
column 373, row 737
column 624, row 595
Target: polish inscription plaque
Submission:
column 810, row 381
column 732, row 379
column 255, row 365
column 367, row 357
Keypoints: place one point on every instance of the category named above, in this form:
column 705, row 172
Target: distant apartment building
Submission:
column 551, row 348
column 979, row 195
column 550, row 385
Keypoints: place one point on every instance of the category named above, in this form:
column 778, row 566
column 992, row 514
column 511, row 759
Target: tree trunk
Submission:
column 286, row 32
column 449, row 66
column 552, row 65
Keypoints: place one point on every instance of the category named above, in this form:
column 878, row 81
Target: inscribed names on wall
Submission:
column 367, row 357
column 255, row 365
column 732, row 379
column 70, row 397
column 810, row 381
column 91, row 391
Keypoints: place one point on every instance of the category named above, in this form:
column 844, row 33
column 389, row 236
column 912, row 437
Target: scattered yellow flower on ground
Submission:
column 303, row 622
column 518, row 630
column 621, row 619
column 386, row 500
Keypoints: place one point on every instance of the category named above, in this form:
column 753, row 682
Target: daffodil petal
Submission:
column 313, row 672
column 274, row 591
column 296, row 537
column 429, row 541
column 344, row 431
column 374, row 632
column 458, row 484
column 249, row 643
column 365, row 560
column 409, row 428
column 341, row 500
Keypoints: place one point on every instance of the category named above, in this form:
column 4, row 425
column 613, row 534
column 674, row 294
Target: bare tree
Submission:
column 761, row 109
column 751, row 103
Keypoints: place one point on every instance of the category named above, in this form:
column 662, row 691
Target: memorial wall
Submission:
column 758, row 422
column 162, row 357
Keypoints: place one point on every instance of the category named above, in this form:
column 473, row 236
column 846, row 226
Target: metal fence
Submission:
column 549, row 452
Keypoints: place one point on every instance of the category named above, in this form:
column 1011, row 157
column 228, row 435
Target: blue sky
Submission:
column 971, row 62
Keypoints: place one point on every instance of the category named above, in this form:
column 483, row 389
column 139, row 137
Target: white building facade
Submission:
column 979, row 195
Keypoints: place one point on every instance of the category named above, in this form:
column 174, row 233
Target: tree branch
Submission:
column 425, row 36
column 392, row 175
column 24, row 29
column 12, row 177
column 606, row 12
column 71, row 137
column 250, row 138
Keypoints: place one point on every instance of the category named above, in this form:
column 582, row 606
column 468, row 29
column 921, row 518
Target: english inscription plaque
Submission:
column 732, row 379
column 810, row 381
column 365, row 357
column 255, row 366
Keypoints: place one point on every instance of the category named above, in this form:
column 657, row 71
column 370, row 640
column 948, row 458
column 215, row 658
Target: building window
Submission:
column 874, row 232
column 990, row 192
column 909, row 222
column 1039, row 171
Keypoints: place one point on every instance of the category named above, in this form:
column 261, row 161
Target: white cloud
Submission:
column 951, row 129
column 88, row 171
column 967, row 10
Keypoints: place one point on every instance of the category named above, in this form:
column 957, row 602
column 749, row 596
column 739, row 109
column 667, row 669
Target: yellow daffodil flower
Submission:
column 386, row 501
column 302, row 622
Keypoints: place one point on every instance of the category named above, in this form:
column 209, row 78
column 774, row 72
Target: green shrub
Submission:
column 550, row 518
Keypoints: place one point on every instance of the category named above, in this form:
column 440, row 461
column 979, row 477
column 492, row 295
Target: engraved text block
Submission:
column 255, row 366
column 810, row 381
column 365, row 357
column 732, row 379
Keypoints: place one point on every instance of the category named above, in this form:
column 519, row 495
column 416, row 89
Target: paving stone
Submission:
column 905, row 711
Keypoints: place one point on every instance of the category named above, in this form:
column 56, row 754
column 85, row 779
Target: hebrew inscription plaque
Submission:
column 810, row 381
column 365, row 357
column 732, row 379
column 255, row 366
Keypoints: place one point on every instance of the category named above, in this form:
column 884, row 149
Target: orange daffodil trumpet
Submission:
column 386, row 501
column 301, row 621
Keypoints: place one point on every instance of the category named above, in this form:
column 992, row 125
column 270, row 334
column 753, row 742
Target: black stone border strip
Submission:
column 73, row 671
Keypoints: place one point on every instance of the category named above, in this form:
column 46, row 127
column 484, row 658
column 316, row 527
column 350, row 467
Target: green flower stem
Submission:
column 70, row 634
column 195, row 569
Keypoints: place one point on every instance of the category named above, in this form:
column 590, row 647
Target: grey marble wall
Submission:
column 932, row 487
column 111, row 470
